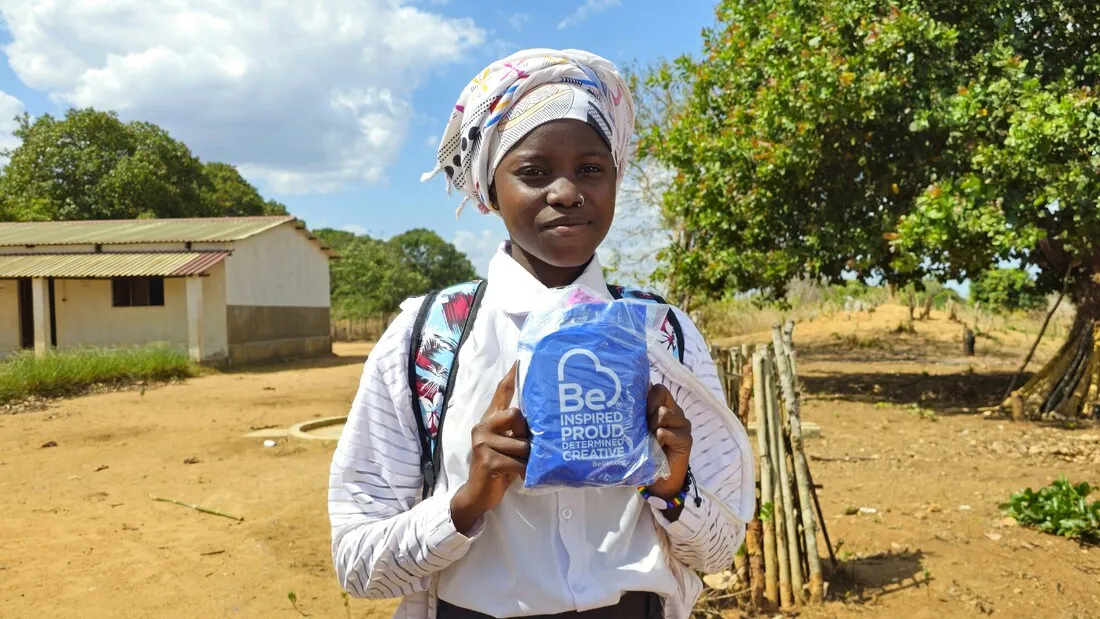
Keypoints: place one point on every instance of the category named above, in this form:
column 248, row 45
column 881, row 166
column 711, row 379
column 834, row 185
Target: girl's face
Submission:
column 539, row 186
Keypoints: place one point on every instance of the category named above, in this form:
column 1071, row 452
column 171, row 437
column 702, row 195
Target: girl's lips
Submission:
column 566, row 227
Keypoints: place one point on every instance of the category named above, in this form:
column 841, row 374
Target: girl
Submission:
column 540, row 138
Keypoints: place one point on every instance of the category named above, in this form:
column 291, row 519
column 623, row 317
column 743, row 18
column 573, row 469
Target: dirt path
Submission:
column 81, row 537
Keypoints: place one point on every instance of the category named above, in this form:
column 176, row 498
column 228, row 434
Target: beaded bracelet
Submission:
column 676, row 501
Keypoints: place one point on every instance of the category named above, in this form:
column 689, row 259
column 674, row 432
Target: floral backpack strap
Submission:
column 674, row 334
column 441, row 327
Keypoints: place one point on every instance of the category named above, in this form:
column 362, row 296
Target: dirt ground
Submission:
column 80, row 535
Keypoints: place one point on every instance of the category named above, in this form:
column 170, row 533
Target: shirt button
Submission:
column 566, row 514
column 578, row 588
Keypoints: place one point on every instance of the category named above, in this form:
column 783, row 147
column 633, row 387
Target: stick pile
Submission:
column 781, row 567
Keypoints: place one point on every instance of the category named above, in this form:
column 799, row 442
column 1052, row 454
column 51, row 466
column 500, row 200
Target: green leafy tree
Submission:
column 336, row 239
column 91, row 165
column 230, row 195
column 438, row 261
column 1007, row 289
column 372, row 277
column 892, row 139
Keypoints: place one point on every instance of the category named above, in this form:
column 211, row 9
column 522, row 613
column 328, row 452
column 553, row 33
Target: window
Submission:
column 137, row 291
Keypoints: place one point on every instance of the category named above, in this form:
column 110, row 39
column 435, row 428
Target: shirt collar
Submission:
column 513, row 290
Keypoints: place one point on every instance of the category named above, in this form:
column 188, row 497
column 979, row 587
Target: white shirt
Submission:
column 534, row 554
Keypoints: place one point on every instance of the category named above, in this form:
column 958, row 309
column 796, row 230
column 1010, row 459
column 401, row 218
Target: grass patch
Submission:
column 72, row 372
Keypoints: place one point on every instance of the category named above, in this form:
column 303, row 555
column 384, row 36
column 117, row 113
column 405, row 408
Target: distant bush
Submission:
column 71, row 372
column 1006, row 289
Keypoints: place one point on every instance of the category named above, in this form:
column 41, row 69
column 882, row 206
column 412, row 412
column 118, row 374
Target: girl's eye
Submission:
column 591, row 169
column 530, row 171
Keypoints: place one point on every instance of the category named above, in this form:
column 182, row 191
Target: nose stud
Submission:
column 581, row 202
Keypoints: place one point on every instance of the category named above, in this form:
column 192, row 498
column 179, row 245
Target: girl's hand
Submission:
column 498, row 456
column 673, row 432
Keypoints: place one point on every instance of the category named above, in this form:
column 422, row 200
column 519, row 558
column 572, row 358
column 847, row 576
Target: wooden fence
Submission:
column 357, row 329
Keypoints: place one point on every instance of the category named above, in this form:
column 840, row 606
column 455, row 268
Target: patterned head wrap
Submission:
column 513, row 96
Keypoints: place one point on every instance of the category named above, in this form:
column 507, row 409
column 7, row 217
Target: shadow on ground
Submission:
column 865, row 579
column 943, row 393
column 311, row 363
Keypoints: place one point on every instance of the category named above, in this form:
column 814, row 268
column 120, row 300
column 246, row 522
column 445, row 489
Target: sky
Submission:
column 332, row 107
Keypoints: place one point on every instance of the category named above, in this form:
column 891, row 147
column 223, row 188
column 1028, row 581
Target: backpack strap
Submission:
column 674, row 333
column 441, row 327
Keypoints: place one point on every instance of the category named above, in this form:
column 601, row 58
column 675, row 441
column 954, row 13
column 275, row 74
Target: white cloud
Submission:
column 309, row 95
column 354, row 229
column 479, row 247
column 586, row 10
column 10, row 107
column 432, row 141
column 518, row 20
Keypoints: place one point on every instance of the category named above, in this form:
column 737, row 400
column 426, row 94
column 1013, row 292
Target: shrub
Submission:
column 1006, row 289
column 1060, row 509
column 71, row 372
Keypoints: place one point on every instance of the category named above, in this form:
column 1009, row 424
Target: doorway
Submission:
column 26, row 314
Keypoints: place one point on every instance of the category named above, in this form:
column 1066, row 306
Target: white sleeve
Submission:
column 705, row 538
column 384, row 543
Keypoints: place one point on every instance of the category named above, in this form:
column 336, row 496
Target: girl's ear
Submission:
column 493, row 197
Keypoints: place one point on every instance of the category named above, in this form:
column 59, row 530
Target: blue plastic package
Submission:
column 584, row 388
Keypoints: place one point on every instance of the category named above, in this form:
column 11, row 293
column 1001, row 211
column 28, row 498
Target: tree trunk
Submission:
column 1067, row 386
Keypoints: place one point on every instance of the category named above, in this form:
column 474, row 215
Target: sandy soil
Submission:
column 81, row 536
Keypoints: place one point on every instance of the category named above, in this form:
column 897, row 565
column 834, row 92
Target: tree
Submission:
column 439, row 262
column 372, row 277
column 230, row 195
column 1007, row 289
column 91, row 165
column 894, row 139
column 641, row 228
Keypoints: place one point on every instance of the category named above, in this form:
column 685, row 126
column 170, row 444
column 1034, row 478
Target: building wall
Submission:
column 277, row 297
column 9, row 316
column 85, row 316
column 215, row 345
column 279, row 267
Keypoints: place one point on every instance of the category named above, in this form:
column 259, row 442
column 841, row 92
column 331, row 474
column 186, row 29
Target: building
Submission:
column 230, row 290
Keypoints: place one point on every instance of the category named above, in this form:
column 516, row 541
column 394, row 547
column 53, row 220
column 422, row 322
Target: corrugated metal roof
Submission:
column 130, row 231
column 102, row 265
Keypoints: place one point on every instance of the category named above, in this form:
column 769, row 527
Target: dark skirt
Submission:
column 633, row 605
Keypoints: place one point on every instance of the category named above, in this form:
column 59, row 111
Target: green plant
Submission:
column 1006, row 289
column 923, row 413
column 1059, row 509
column 71, row 372
column 347, row 603
column 766, row 511
column 293, row 597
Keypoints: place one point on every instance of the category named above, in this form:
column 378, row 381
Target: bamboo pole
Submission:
column 788, row 347
column 1094, row 379
column 789, row 511
column 802, row 476
column 767, row 496
column 1084, row 344
column 753, row 532
column 781, row 489
column 1066, row 281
